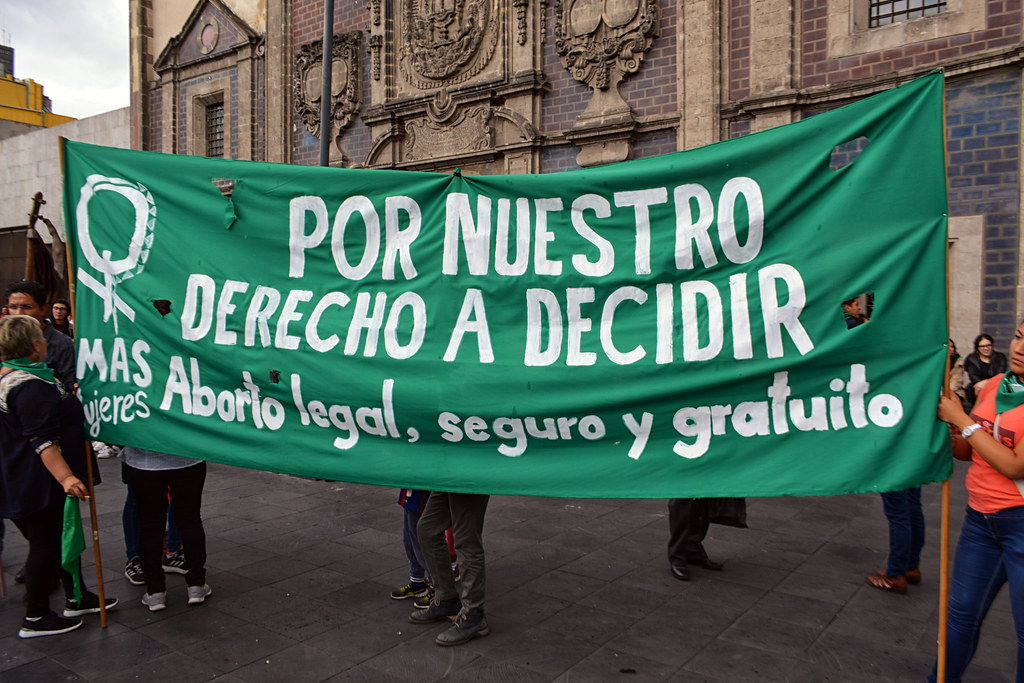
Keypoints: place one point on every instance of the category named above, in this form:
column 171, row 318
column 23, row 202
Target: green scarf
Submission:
column 40, row 370
column 1010, row 393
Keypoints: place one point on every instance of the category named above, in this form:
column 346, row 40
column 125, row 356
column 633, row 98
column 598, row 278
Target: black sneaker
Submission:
column 465, row 629
column 439, row 610
column 423, row 602
column 410, row 590
column 133, row 572
column 48, row 625
column 175, row 563
column 90, row 605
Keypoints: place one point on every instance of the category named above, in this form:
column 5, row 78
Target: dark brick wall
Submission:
column 568, row 97
column 654, row 144
column 356, row 139
column 307, row 26
column 1003, row 28
column 555, row 159
column 652, row 90
column 185, row 112
column 739, row 48
column 155, row 127
column 738, row 129
column 983, row 140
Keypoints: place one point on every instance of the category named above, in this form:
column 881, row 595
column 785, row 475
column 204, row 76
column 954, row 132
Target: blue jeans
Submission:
column 417, row 565
column 989, row 554
column 906, row 529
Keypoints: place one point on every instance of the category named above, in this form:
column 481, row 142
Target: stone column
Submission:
column 698, row 72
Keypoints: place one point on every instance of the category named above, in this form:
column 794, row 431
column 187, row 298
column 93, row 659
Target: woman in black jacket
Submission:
column 981, row 365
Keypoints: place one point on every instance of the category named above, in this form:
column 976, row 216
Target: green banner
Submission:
column 663, row 327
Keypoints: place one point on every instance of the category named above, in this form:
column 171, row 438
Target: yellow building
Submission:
column 22, row 101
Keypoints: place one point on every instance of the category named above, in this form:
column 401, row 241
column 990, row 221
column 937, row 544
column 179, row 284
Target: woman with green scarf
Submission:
column 991, row 547
column 35, row 478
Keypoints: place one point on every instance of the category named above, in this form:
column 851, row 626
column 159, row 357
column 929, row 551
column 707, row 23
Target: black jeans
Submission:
column 150, row 488
column 42, row 530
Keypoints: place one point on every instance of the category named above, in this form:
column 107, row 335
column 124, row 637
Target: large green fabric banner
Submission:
column 663, row 327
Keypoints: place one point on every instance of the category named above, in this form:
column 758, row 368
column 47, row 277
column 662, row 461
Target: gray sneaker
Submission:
column 438, row 610
column 197, row 594
column 466, row 628
column 155, row 601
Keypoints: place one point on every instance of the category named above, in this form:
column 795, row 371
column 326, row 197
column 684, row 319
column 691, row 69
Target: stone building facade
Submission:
column 537, row 86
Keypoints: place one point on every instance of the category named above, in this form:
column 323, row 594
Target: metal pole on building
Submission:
column 325, row 91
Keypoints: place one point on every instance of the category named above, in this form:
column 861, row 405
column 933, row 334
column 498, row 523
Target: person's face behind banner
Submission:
column 60, row 312
column 23, row 304
column 1017, row 351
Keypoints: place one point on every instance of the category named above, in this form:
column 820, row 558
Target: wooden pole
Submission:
column 31, row 237
column 88, row 446
column 940, row 666
column 95, row 537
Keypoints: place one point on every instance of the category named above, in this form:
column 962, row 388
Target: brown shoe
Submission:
column 914, row 576
column 893, row 584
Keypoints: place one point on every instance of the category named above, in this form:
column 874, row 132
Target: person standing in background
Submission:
column 59, row 312
column 982, row 365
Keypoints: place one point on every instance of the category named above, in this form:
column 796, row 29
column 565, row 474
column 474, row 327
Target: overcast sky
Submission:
column 77, row 50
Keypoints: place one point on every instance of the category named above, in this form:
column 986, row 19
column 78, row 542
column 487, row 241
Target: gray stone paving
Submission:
column 578, row 590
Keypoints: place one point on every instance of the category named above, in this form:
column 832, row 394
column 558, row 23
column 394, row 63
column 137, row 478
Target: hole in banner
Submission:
column 275, row 376
column 163, row 306
column 225, row 185
column 845, row 154
column 857, row 309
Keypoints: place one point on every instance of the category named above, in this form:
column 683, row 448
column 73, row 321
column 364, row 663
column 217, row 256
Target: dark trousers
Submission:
column 42, row 530
column 688, row 525
column 150, row 487
column 464, row 513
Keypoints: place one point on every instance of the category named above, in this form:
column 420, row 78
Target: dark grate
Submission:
column 215, row 129
column 884, row 12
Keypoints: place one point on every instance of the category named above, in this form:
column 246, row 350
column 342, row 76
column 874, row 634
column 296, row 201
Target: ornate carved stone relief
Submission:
column 520, row 8
column 346, row 97
column 455, row 83
column 601, row 41
column 466, row 132
column 445, row 42
column 375, row 44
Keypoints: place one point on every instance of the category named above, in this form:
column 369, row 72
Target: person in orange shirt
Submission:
column 990, row 552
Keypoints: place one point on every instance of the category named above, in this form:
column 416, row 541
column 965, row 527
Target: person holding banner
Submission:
column 464, row 513
column 36, row 418
column 957, row 376
column 150, row 475
column 688, row 522
column 991, row 547
column 906, row 538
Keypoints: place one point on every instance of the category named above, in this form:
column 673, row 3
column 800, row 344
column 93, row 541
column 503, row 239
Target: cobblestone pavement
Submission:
column 578, row 590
